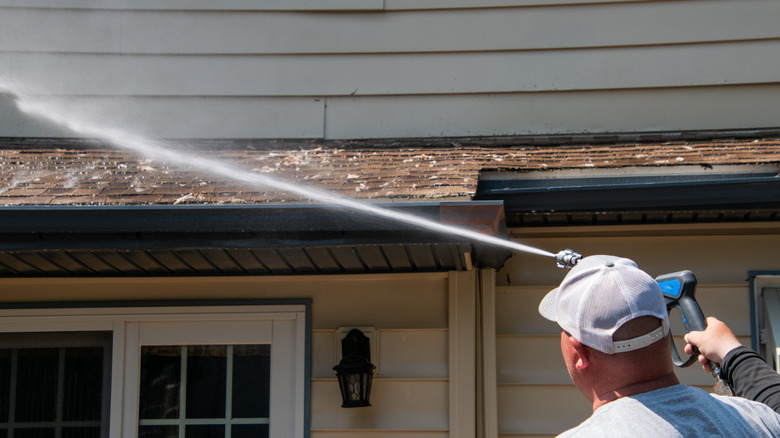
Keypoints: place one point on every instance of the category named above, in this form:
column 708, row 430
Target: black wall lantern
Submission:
column 355, row 371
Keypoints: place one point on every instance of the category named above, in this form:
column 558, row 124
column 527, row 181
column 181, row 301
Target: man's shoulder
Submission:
column 678, row 411
column 750, row 409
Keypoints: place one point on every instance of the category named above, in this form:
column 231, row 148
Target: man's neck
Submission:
column 634, row 388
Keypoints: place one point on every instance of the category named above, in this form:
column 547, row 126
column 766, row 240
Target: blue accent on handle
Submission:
column 671, row 288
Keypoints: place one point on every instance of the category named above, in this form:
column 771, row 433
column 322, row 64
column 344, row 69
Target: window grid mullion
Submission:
column 229, row 392
column 12, row 395
column 183, row 392
column 203, row 421
column 60, row 392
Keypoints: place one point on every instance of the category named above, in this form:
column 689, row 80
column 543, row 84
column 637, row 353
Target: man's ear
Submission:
column 584, row 354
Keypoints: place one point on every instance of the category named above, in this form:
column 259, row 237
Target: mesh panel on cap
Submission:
column 599, row 295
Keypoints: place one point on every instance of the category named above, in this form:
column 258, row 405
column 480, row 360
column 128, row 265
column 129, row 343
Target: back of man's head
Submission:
column 600, row 296
column 615, row 329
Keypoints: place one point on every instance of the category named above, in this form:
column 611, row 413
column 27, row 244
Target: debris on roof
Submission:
column 84, row 172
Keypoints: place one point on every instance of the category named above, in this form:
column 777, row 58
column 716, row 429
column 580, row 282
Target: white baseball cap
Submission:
column 600, row 294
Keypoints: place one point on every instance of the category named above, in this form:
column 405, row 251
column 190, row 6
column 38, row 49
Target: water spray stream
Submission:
column 157, row 150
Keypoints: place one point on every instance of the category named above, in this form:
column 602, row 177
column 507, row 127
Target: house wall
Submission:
column 535, row 395
column 341, row 69
column 413, row 314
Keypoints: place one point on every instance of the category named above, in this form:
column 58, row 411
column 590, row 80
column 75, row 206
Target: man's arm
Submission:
column 742, row 368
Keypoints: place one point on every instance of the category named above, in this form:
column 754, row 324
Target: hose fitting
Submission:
column 568, row 258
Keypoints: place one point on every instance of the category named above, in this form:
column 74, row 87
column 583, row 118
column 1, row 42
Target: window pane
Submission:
column 160, row 379
column 206, row 381
column 251, row 381
column 82, row 389
column 5, row 384
column 58, row 385
column 250, row 431
column 81, row 432
column 158, row 432
column 36, row 384
column 205, row 374
column 42, row 432
column 210, row 431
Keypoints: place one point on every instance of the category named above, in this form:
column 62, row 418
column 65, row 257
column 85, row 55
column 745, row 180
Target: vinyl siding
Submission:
column 363, row 69
column 535, row 395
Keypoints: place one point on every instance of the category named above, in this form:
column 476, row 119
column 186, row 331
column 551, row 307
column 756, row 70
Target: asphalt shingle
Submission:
column 81, row 172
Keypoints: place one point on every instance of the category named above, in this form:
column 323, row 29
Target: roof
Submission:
column 78, row 207
column 82, row 172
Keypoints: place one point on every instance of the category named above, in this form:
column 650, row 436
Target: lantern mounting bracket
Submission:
column 370, row 332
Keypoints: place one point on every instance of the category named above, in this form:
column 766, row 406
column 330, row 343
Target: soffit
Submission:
column 241, row 240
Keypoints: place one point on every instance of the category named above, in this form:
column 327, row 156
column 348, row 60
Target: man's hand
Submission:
column 713, row 343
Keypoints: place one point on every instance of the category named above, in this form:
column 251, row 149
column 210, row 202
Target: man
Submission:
column 615, row 344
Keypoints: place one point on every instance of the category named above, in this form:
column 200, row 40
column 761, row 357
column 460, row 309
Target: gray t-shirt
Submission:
column 679, row 411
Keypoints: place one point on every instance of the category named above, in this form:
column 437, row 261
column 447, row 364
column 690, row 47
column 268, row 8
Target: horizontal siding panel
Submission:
column 537, row 360
column 418, row 116
column 530, row 360
column 251, row 5
column 402, row 304
column 403, row 74
column 197, row 32
column 389, row 301
column 555, row 113
column 517, row 309
column 651, row 247
column 406, row 353
column 248, row 5
column 524, row 435
column 176, row 117
column 539, row 409
column 411, row 353
column 396, row 405
column 454, row 4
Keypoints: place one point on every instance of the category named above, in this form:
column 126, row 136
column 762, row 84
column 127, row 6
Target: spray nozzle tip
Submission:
column 568, row 258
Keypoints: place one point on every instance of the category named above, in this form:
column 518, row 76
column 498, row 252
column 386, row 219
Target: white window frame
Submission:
column 284, row 326
column 765, row 315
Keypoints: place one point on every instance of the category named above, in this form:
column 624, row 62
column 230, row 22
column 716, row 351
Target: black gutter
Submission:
column 57, row 231
column 633, row 194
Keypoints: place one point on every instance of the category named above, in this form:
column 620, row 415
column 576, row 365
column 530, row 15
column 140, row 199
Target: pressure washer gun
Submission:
column 679, row 290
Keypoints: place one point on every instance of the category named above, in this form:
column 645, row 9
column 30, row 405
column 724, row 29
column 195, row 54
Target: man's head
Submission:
column 612, row 316
column 598, row 296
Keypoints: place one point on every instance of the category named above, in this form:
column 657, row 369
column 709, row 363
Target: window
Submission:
column 167, row 372
column 52, row 385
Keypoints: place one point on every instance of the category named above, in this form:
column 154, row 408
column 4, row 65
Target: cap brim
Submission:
column 549, row 304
